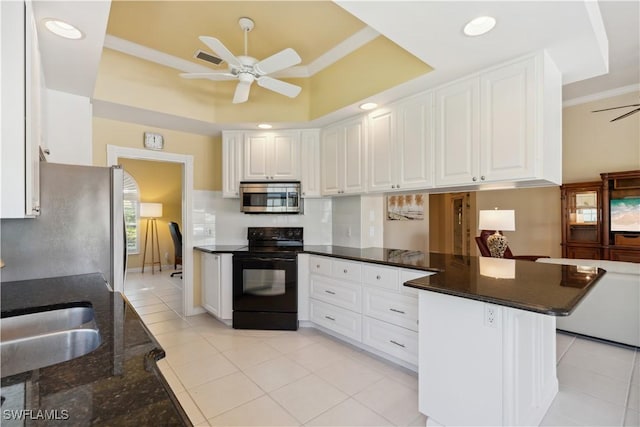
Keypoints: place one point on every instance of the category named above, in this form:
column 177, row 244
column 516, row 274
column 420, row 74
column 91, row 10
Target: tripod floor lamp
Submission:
column 151, row 211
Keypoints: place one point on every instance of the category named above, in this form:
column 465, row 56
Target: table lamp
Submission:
column 151, row 211
column 497, row 220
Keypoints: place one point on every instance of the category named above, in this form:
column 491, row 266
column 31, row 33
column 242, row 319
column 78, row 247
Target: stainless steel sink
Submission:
column 44, row 338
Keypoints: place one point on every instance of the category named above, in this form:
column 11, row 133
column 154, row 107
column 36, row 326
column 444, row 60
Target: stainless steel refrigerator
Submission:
column 80, row 228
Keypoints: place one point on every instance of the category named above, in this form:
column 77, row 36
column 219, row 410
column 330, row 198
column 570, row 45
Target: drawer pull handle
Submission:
column 378, row 277
column 396, row 311
column 330, row 292
column 345, row 271
column 330, row 318
column 396, row 343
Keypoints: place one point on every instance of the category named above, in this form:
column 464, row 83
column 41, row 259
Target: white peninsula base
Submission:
column 484, row 364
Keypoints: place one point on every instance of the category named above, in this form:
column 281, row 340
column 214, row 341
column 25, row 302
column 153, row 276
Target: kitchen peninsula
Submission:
column 487, row 326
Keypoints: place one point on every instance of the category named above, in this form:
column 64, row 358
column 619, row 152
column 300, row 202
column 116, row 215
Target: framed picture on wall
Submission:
column 405, row 207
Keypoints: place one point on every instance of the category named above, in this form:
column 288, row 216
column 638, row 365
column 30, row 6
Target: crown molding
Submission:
column 601, row 95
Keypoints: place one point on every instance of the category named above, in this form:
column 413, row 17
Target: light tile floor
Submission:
column 227, row 377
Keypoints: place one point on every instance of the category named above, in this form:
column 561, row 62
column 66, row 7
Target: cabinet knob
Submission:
column 398, row 186
column 304, row 193
column 378, row 277
column 393, row 186
column 317, row 265
column 474, row 178
column 482, row 178
column 345, row 271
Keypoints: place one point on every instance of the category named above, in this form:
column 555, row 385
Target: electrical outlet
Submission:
column 490, row 315
column 166, row 256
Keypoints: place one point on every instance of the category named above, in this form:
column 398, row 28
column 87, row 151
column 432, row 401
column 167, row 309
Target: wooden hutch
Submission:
column 601, row 219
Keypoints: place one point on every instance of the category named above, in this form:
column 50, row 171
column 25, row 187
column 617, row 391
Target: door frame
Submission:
column 114, row 152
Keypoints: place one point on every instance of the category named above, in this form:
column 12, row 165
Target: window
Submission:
column 131, row 196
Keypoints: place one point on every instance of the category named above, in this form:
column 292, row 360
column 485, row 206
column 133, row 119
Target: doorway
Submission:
column 460, row 229
column 186, row 161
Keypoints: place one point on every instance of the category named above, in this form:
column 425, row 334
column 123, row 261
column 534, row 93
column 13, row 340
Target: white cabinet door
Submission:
column 310, row 162
column 414, row 156
column 507, row 131
column 284, row 162
column 353, row 168
column 382, row 149
column 271, row 156
column 330, row 176
column 211, row 278
column 231, row 163
column 457, row 133
column 256, row 157
column 20, row 122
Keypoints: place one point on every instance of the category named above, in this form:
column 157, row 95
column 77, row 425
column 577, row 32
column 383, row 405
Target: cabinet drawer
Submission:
column 337, row 319
column 624, row 255
column 346, row 270
column 394, row 340
column 320, row 265
column 384, row 277
column 345, row 295
column 401, row 310
column 627, row 239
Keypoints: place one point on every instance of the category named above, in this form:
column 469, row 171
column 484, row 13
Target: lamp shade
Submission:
column 499, row 220
column 150, row 210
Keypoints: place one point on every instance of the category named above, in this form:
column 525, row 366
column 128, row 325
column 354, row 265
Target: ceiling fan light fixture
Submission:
column 479, row 26
column 63, row 29
column 368, row 106
column 265, row 126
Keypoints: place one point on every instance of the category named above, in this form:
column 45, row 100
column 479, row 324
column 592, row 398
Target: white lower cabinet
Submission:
column 366, row 303
column 217, row 290
column 337, row 319
column 394, row 340
column 400, row 310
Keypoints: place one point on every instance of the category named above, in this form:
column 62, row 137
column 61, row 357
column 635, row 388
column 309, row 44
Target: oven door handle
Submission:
column 272, row 259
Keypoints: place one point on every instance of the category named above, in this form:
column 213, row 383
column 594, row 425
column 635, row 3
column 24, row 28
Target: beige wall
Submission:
column 206, row 151
column 592, row 144
column 158, row 182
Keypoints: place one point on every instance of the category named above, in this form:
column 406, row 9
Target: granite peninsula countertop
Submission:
column 117, row 384
column 551, row 289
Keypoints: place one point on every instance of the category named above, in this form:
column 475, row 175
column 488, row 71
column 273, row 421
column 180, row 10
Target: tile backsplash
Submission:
column 218, row 221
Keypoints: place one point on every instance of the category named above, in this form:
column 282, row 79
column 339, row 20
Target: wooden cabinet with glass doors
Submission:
column 582, row 220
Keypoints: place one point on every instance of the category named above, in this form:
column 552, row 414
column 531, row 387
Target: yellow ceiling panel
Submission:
column 173, row 27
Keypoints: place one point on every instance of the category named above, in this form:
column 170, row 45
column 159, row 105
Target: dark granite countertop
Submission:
column 552, row 289
column 385, row 256
column 539, row 287
column 117, row 384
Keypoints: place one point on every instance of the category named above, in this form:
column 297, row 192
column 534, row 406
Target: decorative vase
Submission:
column 497, row 245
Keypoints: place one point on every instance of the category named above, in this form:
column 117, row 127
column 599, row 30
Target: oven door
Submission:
column 265, row 283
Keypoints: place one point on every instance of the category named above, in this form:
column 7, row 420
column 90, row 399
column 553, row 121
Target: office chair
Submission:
column 174, row 229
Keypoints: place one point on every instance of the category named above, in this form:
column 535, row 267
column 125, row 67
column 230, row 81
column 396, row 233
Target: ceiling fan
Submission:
column 627, row 114
column 247, row 69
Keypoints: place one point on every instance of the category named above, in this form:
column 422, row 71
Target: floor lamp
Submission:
column 151, row 211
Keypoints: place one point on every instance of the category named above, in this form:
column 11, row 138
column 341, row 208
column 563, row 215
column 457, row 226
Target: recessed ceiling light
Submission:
column 368, row 106
column 265, row 126
column 479, row 26
column 63, row 29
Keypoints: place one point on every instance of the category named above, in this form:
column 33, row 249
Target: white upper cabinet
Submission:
column 22, row 88
column 342, row 148
column 400, row 146
column 272, row 156
column 502, row 125
column 457, row 133
column 310, row 162
column 231, row 163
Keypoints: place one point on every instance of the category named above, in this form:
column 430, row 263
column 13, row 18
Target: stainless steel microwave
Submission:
column 270, row 197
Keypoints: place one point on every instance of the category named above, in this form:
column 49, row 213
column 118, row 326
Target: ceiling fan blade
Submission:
column 615, row 108
column 283, row 88
column 242, row 92
column 211, row 76
column 222, row 51
column 626, row 114
column 279, row 61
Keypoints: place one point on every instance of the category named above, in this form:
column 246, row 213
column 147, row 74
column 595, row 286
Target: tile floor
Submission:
column 233, row 377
